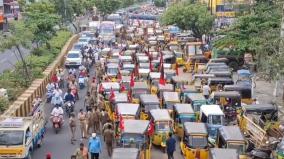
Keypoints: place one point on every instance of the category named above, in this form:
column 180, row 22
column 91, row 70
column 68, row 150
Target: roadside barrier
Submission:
column 23, row 105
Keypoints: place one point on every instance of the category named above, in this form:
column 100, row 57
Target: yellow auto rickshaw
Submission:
column 112, row 71
column 194, row 143
column 169, row 73
column 163, row 126
column 128, row 110
column 196, row 64
column 105, row 89
column 169, row 100
column 134, row 134
column 164, row 88
column 147, row 103
column 244, row 90
column 182, row 113
column 118, row 98
column 138, row 89
column 220, row 153
column 153, row 81
column 231, row 137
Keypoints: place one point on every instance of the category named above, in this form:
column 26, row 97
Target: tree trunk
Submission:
column 25, row 66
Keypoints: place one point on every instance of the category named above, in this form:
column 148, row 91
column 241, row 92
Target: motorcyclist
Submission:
column 57, row 111
column 50, row 86
column 57, row 100
column 69, row 97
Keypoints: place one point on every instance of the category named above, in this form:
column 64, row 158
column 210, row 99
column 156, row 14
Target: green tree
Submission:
column 107, row 6
column 258, row 34
column 160, row 3
column 42, row 17
column 187, row 16
column 21, row 36
column 126, row 3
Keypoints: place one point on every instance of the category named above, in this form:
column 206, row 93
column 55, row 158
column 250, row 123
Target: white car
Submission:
column 73, row 58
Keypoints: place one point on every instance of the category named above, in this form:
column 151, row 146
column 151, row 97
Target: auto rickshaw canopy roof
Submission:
column 260, row 108
column 112, row 65
column 203, row 76
column 144, row 71
column 226, row 94
column 211, row 110
column 195, row 96
column 143, row 58
column 135, row 126
column 120, row 98
column 125, row 153
column 166, row 87
column 127, row 108
column 125, row 57
column 180, row 79
column 192, row 128
column 182, row 108
column 221, row 153
column 171, row 96
column 237, row 87
column 189, row 89
column 140, row 85
column 125, row 78
column 144, row 65
column 231, row 133
column 221, row 79
column 223, row 73
column 155, row 75
column 160, row 115
column 215, row 64
column 109, row 85
column 218, row 60
column 149, row 99
column 128, row 65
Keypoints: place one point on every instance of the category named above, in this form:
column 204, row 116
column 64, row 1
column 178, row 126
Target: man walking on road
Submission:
column 82, row 152
column 171, row 146
column 95, row 146
column 96, row 120
column 82, row 119
column 72, row 125
column 109, row 136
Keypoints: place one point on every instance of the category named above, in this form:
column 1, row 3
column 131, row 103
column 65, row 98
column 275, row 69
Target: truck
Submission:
column 20, row 136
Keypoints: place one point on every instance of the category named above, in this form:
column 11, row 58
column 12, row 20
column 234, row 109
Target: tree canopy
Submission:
column 257, row 33
column 107, row 6
column 160, row 3
column 189, row 16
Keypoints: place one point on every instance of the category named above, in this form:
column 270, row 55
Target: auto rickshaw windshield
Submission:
column 127, row 139
column 137, row 93
column 162, row 126
column 112, row 71
column 149, row 107
column 239, row 147
column 186, row 118
column 216, row 120
column 197, row 141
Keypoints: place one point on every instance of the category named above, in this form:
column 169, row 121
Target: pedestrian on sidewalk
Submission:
column 81, row 152
column 95, row 146
column 96, row 120
column 82, row 119
column 109, row 137
column 72, row 125
column 171, row 146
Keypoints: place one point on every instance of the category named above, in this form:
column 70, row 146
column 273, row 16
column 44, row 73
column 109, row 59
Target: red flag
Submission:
column 129, row 96
column 162, row 77
column 161, row 62
column 122, row 88
column 101, row 89
column 136, row 70
column 151, row 66
column 121, row 123
column 177, row 68
column 119, row 75
column 151, row 128
column 112, row 95
column 132, row 80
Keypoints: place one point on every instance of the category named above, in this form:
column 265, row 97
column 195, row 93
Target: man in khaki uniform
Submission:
column 109, row 136
column 96, row 120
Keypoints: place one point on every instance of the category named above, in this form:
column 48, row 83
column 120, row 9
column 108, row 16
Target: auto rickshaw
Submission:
column 213, row 116
column 164, row 88
column 217, row 68
column 128, row 67
column 178, row 82
column 231, row 137
column 126, row 153
column 180, row 57
column 128, row 110
column 138, row 89
column 134, row 135
column 169, row 100
column 118, row 98
column 125, row 59
column 125, row 81
column 147, row 103
column 195, row 64
column 169, row 73
column 112, row 71
column 244, row 90
column 218, row 60
column 224, row 73
column 187, row 89
column 144, row 65
column 194, row 143
column 210, row 64
column 163, row 126
column 182, row 113
column 220, row 153
column 193, row 48
column 143, row 59
column 153, row 81
column 196, row 100
column 230, row 103
column 213, row 82
column 198, row 78
column 143, row 74
column 133, row 47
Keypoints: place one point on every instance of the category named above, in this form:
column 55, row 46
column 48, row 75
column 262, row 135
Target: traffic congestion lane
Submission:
column 59, row 145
